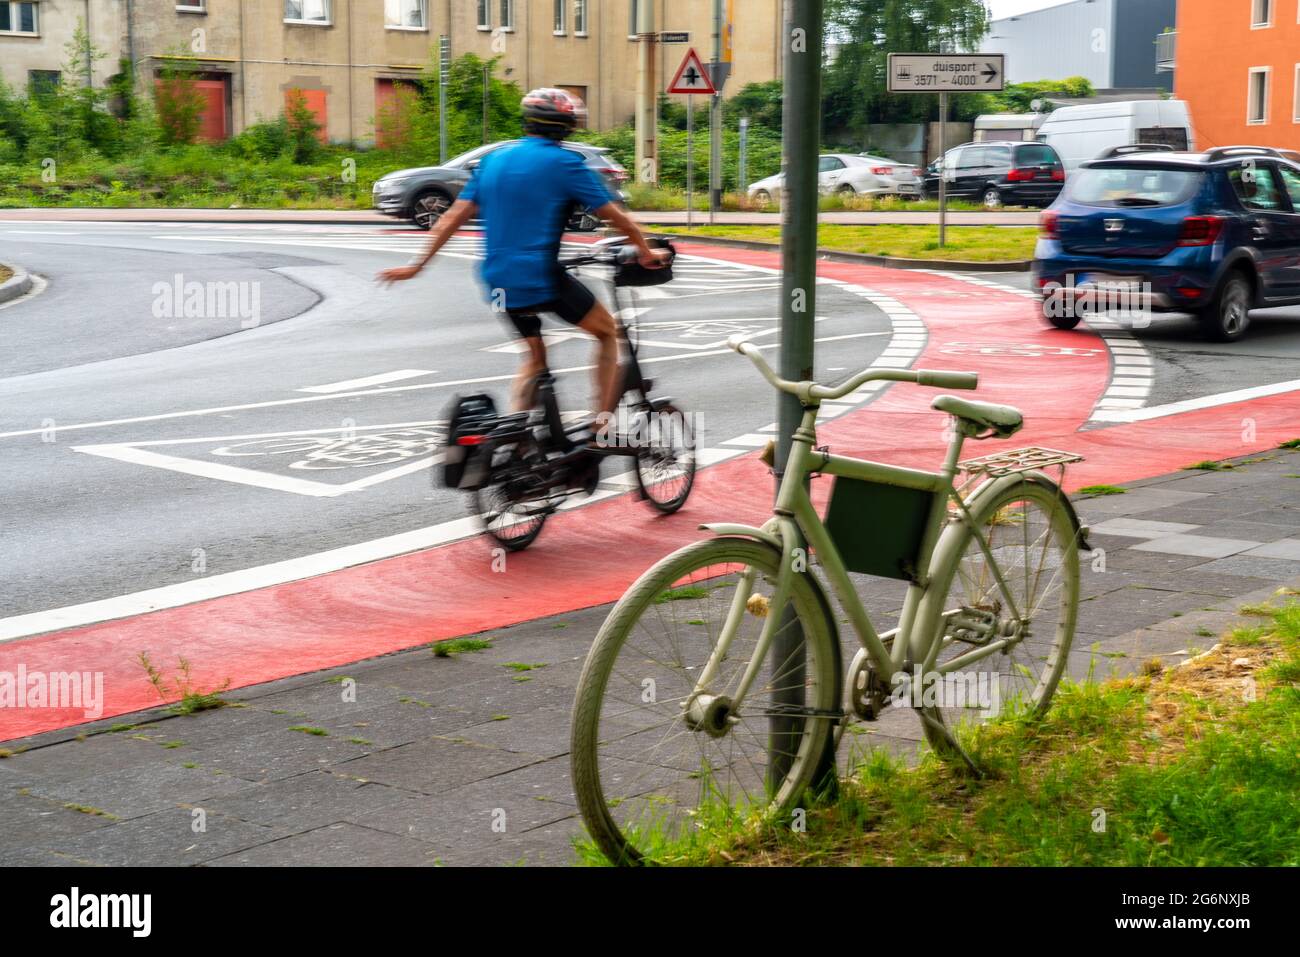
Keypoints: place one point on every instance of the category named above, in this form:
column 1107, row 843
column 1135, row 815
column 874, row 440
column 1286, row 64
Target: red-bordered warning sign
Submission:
column 692, row 76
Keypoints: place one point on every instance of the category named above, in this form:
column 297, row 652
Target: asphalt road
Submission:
column 149, row 437
column 144, row 444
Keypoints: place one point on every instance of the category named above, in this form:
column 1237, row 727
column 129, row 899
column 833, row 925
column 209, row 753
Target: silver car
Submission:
column 847, row 174
column 424, row 193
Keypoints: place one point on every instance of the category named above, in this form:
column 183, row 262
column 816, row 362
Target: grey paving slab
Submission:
column 274, row 754
column 1255, row 531
column 142, row 789
column 306, row 801
column 336, row 845
column 1209, row 481
column 165, row 838
column 544, row 732
column 1140, row 528
column 1130, row 503
column 62, row 762
column 1197, row 545
column 1278, row 569
column 437, row 765
column 27, row 819
column 1288, row 548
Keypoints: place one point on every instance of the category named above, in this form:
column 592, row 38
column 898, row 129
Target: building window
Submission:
column 1257, row 97
column 485, row 14
column 406, row 14
column 507, row 14
column 42, row 82
column 1261, row 13
column 580, row 17
column 307, row 11
column 633, row 21
column 191, row 6
column 561, row 17
column 16, row 17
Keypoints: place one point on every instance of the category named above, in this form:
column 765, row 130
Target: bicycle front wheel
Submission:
column 1014, row 577
column 645, row 771
column 665, row 466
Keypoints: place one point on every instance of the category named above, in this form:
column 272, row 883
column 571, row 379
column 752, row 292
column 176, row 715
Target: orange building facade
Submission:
column 1237, row 64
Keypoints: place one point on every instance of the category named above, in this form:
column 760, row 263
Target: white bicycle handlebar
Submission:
column 807, row 391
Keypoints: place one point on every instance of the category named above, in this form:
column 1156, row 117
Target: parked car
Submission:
column 1082, row 133
column 999, row 174
column 847, row 174
column 1215, row 234
column 423, row 194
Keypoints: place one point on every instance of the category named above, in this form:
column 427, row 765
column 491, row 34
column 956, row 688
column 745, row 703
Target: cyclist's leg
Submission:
column 578, row 306
column 523, row 391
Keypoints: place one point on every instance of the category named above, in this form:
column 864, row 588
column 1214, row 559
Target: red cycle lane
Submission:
column 590, row 555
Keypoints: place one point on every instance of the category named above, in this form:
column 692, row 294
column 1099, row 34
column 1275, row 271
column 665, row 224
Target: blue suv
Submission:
column 1216, row 234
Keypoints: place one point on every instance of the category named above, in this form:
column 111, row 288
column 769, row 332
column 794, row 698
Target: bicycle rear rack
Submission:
column 1017, row 460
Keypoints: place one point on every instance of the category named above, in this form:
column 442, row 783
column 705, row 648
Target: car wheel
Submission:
column 1227, row 318
column 763, row 197
column 992, row 198
column 428, row 208
column 1055, row 316
column 847, row 190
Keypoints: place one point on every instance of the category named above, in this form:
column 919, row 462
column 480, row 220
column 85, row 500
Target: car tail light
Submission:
column 882, row 170
column 1049, row 224
column 1189, row 292
column 470, row 439
column 1200, row 230
column 620, row 175
column 1058, row 174
column 1021, row 175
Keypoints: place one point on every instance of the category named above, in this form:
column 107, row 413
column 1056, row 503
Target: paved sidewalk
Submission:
column 362, row 217
column 433, row 752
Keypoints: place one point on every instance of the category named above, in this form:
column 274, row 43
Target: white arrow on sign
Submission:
column 692, row 77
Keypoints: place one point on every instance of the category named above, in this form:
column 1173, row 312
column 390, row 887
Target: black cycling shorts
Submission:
column 572, row 302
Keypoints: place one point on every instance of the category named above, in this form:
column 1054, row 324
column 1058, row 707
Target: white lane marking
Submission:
column 350, row 384
column 233, row 583
column 1193, row 405
column 752, row 440
column 1119, row 341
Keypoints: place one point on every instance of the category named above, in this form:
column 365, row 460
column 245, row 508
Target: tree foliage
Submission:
column 867, row 31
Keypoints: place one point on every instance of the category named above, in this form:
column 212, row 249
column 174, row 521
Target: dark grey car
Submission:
column 423, row 194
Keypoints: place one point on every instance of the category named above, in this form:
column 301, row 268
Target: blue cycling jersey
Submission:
column 524, row 194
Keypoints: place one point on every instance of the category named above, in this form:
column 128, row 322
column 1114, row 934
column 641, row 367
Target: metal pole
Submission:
column 647, row 92
column 943, row 169
column 800, row 139
column 690, row 160
column 742, row 163
column 715, row 118
column 444, row 49
column 485, row 104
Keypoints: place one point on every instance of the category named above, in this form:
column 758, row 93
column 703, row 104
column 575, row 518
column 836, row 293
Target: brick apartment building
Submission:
column 1237, row 64
column 348, row 56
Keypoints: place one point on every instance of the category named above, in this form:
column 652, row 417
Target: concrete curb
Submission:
column 891, row 262
column 19, row 284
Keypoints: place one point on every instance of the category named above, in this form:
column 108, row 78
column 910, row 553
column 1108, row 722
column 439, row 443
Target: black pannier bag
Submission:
column 472, row 417
column 629, row 272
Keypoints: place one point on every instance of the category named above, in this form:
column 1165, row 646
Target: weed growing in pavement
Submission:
column 1290, row 444
column 189, row 699
column 456, row 646
column 1102, row 490
column 308, row 729
column 1209, row 467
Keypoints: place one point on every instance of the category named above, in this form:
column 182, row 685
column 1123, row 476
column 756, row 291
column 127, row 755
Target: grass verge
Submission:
column 964, row 243
column 1192, row 766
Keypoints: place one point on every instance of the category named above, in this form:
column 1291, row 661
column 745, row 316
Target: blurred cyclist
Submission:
column 524, row 194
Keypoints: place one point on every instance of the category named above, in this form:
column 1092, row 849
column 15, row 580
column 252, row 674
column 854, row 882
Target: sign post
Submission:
column 691, row 80
column 945, row 73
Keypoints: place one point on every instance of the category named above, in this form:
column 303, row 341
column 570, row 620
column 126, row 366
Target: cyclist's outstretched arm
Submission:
column 614, row 214
column 461, row 212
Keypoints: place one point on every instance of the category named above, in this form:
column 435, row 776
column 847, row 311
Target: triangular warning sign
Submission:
column 691, row 76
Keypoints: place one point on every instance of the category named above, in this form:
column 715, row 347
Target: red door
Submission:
column 215, row 125
column 314, row 100
column 394, row 100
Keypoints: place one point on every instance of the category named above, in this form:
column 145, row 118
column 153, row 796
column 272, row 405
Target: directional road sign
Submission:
column 946, row 72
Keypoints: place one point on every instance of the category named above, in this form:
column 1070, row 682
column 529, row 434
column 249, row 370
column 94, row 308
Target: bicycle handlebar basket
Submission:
column 629, row 272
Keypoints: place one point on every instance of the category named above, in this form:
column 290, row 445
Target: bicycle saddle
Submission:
column 1000, row 420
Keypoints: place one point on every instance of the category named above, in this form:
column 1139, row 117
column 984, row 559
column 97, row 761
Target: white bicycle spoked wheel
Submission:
column 642, row 775
column 1032, row 538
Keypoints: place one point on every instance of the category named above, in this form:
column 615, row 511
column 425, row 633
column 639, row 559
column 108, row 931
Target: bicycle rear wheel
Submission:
column 512, row 506
column 644, row 774
column 1032, row 542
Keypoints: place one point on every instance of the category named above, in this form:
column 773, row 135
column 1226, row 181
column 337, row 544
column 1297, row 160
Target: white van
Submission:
column 1082, row 133
column 1004, row 127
